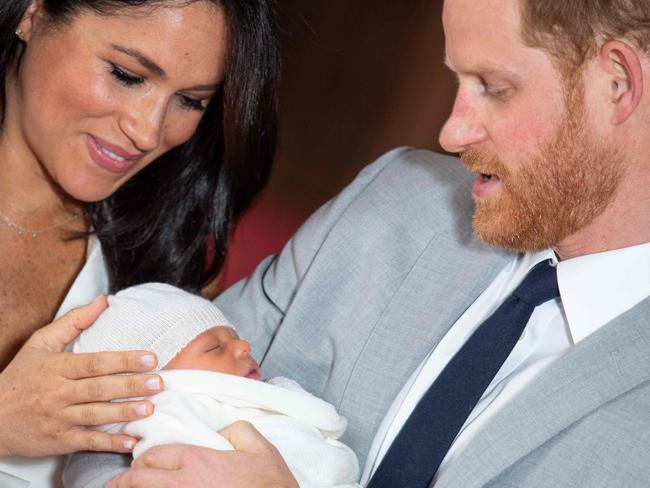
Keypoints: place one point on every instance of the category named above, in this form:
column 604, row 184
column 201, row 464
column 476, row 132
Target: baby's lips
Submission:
column 254, row 373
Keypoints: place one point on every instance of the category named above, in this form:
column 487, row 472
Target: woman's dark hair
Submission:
column 171, row 222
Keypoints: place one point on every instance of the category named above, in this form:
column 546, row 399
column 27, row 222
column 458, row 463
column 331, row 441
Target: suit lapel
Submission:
column 602, row 367
column 422, row 310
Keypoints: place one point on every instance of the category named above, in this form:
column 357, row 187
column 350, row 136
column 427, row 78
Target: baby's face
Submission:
column 218, row 349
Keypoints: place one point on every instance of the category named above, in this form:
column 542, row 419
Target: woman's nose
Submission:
column 143, row 122
column 463, row 128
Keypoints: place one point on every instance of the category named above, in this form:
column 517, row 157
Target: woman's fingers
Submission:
column 106, row 388
column 55, row 336
column 107, row 413
column 88, row 365
column 94, row 440
column 48, row 397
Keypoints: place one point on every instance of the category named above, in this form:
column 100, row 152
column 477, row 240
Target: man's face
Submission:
column 524, row 130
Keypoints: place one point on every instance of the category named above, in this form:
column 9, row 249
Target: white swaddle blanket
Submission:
column 197, row 404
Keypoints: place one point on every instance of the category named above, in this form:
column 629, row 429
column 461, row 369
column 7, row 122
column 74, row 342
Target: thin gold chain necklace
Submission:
column 34, row 233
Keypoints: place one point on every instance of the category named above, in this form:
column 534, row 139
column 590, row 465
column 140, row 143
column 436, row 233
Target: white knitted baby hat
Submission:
column 151, row 317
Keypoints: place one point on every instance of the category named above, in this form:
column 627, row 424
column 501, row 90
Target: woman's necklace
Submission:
column 7, row 222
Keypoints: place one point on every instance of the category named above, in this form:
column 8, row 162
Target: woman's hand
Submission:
column 48, row 397
column 255, row 463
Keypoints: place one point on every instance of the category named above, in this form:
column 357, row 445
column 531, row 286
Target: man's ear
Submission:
column 30, row 20
column 622, row 66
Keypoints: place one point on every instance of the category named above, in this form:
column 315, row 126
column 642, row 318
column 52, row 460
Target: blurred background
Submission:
column 360, row 77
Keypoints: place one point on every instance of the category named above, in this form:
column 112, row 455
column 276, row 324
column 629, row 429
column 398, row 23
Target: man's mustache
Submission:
column 483, row 163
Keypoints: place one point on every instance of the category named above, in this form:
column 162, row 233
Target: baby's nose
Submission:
column 240, row 347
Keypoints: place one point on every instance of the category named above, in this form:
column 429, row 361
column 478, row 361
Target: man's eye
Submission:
column 490, row 91
column 499, row 94
column 124, row 77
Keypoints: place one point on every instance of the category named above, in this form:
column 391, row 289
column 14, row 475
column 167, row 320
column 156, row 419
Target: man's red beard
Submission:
column 550, row 196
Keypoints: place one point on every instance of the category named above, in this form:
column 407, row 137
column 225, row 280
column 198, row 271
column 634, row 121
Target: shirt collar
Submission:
column 529, row 260
column 597, row 288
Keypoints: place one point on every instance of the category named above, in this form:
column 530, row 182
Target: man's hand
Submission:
column 48, row 397
column 255, row 463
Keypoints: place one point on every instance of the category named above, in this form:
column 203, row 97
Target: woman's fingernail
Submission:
column 141, row 410
column 128, row 444
column 148, row 361
column 153, row 384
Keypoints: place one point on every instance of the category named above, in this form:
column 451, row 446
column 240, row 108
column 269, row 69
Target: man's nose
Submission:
column 143, row 122
column 463, row 128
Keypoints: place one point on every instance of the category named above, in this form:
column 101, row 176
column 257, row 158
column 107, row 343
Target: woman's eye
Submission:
column 192, row 103
column 124, row 77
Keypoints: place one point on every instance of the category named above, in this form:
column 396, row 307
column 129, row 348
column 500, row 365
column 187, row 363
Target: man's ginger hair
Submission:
column 573, row 30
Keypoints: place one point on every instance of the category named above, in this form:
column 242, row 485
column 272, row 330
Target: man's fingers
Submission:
column 144, row 478
column 116, row 387
column 55, row 336
column 244, row 437
column 107, row 413
column 86, row 365
column 170, row 457
column 93, row 440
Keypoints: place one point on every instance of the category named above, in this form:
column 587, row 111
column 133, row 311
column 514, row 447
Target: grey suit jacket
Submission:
column 373, row 281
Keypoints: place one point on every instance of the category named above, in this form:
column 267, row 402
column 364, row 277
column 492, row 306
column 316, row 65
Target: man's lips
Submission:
column 485, row 184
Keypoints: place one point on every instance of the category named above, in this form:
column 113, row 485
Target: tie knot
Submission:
column 539, row 285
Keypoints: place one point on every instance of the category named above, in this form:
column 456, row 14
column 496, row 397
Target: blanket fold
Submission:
column 195, row 405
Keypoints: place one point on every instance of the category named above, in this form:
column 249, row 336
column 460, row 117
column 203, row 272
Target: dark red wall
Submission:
column 359, row 77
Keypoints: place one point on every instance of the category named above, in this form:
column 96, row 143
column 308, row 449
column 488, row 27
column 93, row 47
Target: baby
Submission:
column 211, row 381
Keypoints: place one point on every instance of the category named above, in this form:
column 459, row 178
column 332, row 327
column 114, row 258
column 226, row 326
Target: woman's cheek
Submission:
column 179, row 127
column 90, row 91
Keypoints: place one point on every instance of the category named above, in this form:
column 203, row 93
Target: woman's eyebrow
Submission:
column 214, row 87
column 154, row 68
column 142, row 59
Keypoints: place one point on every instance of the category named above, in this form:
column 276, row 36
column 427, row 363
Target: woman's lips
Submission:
column 109, row 156
column 485, row 184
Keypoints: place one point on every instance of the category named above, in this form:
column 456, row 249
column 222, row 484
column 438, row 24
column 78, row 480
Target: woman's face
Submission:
column 101, row 98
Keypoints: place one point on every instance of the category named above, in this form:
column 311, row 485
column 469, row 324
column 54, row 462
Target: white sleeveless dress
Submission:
column 20, row 472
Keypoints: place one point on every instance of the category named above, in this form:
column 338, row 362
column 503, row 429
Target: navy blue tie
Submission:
column 414, row 457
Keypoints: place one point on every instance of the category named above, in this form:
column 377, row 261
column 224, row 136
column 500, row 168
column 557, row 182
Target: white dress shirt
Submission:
column 594, row 289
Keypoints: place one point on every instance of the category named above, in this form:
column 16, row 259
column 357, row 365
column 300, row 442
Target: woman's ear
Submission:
column 30, row 20
column 622, row 65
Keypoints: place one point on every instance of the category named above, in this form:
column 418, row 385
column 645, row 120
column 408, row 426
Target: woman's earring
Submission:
column 19, row 34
